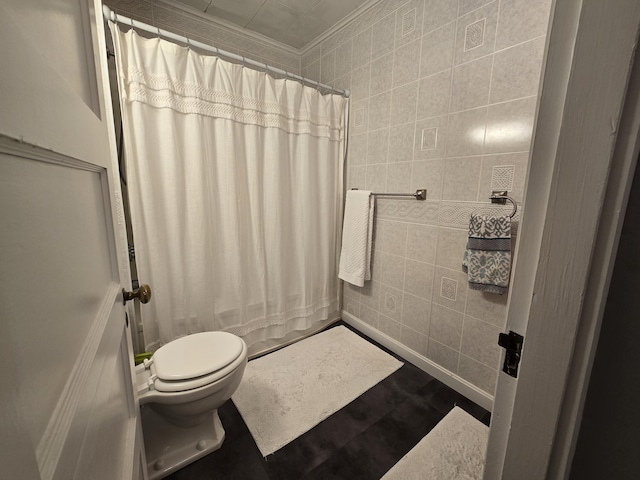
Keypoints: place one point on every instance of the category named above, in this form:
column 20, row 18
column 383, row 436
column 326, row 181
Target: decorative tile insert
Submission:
column 474, row 35
column 502, row 177
column 457, row 214
column 429, row 139
column 425, row 212
column 449, row 288
column 408, row 22
column 390, row 302
column 358, row 117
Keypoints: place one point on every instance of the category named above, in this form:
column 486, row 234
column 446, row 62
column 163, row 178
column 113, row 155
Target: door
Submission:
column 68, row 404
column 584, row 152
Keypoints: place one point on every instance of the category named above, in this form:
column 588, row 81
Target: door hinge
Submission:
column 512, row 343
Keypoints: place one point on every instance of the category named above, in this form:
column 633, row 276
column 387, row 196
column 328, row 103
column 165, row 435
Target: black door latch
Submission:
column 512, row 343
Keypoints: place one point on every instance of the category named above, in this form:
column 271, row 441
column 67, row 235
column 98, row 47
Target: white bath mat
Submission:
column 453, row 450
column 286, row 393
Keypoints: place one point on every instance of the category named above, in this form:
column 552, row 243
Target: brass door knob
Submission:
column 143, row 294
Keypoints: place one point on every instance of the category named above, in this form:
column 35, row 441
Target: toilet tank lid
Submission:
column 196, row 355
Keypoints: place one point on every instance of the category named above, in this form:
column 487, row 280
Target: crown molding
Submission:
column 342, row 23
column 224, row 24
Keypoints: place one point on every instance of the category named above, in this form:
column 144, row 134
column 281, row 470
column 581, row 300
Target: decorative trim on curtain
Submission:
column 162, row 91
column 236, row 185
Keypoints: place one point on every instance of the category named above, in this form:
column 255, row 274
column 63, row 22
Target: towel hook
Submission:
column 501, row 197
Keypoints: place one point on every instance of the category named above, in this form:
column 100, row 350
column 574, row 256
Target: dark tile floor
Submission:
column 363, row 440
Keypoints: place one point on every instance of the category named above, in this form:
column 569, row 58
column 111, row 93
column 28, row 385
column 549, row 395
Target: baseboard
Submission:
column 460, row 385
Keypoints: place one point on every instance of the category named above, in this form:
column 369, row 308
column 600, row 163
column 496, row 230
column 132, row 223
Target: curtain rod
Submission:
column 117, row 18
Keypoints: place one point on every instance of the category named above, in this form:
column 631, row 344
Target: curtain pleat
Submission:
column 235, row 185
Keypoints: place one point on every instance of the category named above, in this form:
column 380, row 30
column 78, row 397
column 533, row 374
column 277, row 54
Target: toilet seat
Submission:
column 194, row 361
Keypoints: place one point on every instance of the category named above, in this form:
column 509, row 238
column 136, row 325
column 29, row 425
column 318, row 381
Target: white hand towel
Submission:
column 357, row 230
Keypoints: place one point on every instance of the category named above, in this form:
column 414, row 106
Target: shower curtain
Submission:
column 235, row 184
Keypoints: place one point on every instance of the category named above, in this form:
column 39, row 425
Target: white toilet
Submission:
column 180, row 390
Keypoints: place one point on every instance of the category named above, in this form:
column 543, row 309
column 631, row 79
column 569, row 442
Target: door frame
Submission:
column 584, row 154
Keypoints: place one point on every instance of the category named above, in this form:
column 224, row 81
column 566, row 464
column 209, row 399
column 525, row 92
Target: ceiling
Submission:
column 292, row 22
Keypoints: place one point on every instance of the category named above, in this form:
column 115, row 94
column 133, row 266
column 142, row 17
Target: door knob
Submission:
column 143, row 294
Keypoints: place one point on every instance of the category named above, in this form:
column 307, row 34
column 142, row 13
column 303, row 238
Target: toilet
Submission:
column 180, row 389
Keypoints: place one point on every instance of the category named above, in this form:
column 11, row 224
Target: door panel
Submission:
column 65, row 350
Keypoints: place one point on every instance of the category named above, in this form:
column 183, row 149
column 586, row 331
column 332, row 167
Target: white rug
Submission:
column 286, row 393
column 454, row 450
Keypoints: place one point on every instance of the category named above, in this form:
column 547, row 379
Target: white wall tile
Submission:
column 399, row 177
column 466, row 132
column 428, row 174
column 438, row 13
column 328, row 67
column 518, row 161
column 430, row 139
column 516, row 71
column 460, row 181
column 446, row 326
column 489, row 307
column 509, row 126
column 361, row 49
column 470, row 85
column 422, row 241
column 376, row 178
column 379, row 109
column 521, row 21
column 480, row 341
column 437, row 50
column 416, row 313
column 445, row 356
column 434, row 94
column 467, row 33
column 401, row 143
column 383, row 39
column 418, row 279
column 392, row 270
column 382, row 74
column 461, row 292
column 414, row 340
column 358, row 150
column 403, row 104
column 393, row 237
column 480, row 375
column 391, row 302
column 360, row 82
column 406, row 63
column 389, row 327
column 343, row 58
column 451, row 245
column 409, row 22
column 377, row 146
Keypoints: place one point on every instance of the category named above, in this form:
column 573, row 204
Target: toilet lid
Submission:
column 196, row 355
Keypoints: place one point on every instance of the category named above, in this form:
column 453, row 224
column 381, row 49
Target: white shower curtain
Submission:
column 235, row 185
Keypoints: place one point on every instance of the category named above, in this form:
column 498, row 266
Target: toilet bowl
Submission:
column 180, row 390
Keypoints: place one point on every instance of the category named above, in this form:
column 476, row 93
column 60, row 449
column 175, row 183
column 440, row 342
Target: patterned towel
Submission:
column 487, row 258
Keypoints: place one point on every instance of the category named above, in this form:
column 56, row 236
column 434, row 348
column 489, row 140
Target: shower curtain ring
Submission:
column 188, row 44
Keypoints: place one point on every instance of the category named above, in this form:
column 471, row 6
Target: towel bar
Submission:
column 421, row 194
column 501, row 197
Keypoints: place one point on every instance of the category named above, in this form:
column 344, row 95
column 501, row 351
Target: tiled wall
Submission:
column 443, row 97
column 196, row 27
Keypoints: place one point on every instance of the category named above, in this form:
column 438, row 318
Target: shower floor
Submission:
column 363, row 440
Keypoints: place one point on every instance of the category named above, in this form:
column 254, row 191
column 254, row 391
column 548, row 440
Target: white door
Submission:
column 583, row 157
column 68, row 406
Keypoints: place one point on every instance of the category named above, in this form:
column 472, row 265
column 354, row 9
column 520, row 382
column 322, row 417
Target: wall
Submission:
column 443, row 97
column 197, row 27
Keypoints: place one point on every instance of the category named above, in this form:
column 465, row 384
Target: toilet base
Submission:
column 169, row 447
